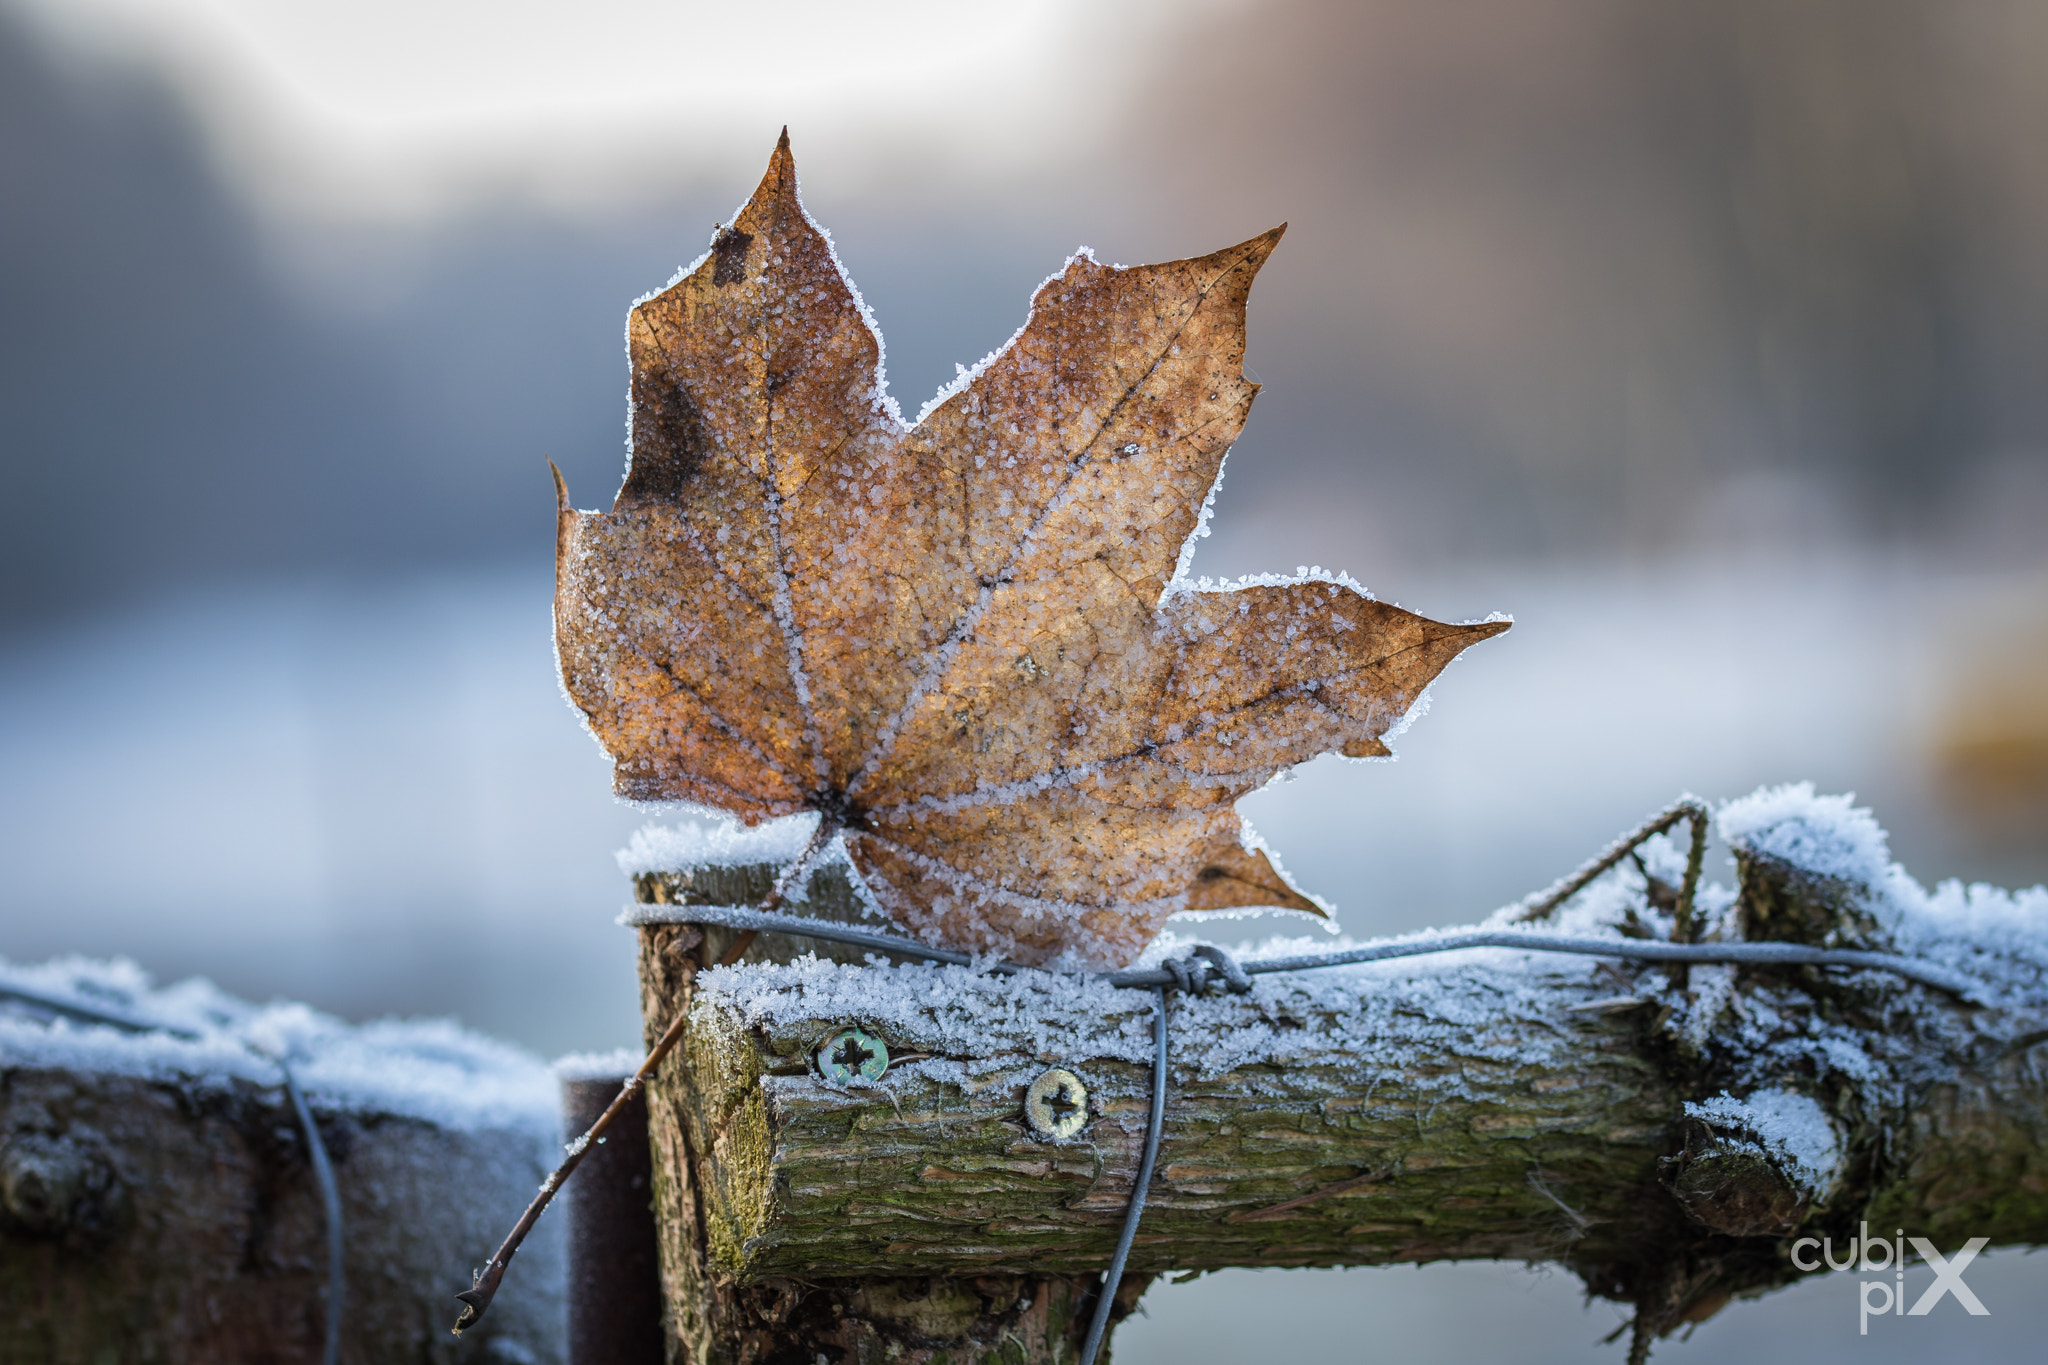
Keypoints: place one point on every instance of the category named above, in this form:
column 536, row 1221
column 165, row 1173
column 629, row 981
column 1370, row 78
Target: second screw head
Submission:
column 852, row 1055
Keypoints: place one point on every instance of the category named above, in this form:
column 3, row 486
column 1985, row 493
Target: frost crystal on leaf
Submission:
column 963, row 643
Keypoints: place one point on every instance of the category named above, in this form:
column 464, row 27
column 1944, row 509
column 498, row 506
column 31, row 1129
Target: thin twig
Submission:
column 1642, row 1334
column 739, row 947
column 1681, row 918
column 476, row 1300
column 1544, row 905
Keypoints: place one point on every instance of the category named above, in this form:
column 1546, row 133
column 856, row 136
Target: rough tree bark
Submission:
column 1522, row 1108
column 846, row 1311
column 161, row 1221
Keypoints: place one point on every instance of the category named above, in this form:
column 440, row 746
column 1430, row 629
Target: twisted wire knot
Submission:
column 1204, row 969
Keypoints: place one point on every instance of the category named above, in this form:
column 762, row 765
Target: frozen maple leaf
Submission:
column 965, row 643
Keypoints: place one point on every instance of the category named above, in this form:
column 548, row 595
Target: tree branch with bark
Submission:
column 1666, row 1132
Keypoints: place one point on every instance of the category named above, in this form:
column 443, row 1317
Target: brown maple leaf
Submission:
column 965, row 642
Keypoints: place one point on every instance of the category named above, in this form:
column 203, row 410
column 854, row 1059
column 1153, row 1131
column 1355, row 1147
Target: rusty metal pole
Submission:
column 614, row 1267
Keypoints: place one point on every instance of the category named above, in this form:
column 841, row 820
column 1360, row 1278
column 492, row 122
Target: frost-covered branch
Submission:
column 1665, row 1135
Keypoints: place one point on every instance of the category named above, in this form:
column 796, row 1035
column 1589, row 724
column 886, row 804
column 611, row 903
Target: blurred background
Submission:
column 1709, row 339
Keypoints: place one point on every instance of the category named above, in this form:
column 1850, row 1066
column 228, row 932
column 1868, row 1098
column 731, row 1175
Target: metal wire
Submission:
column 88, row 1013
column 1629, row 949
column 330, row 1203
column 1155, row 1124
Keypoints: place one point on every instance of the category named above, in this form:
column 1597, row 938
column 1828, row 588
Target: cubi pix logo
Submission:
column 1887, row 1298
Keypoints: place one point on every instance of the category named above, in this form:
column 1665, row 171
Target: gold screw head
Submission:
column 1056, row 1105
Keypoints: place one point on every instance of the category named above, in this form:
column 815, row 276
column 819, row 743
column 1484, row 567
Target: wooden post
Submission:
column 1470, row 1106
column 614, row 1271
column 851, row 1310
column 145, row 1220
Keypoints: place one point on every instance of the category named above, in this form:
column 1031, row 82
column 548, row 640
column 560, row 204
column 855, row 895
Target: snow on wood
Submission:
column 156, row 1196
column 1656, row 1129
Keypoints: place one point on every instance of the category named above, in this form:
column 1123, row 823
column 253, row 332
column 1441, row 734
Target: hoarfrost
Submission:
column 430, row 1069
column 722, row 843
column 1790, row 1128
column 1827, row 835
column 1422, row 1008
column 598, row 1066
column 1999, row 937
column 956, row 1012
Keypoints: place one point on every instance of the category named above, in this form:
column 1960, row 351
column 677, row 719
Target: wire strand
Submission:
column 1767, row 954
column 330, row 1202
column 1155, row 1124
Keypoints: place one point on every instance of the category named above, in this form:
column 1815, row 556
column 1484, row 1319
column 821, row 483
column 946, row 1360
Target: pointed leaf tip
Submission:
column 780, row 179
column 561, row 486
column 1466, row 633
column 1258, row 249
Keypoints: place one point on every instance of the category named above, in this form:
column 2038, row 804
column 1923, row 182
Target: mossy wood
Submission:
column 781, row 1195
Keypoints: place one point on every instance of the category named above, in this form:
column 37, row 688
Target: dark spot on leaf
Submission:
column 731, row 252
column 668, row 441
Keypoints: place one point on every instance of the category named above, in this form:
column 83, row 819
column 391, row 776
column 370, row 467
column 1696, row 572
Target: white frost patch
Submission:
column 429, row 1069
column 724, row 843
column 1332, row 1016
column 1791, row 1129
column 598, row 1066
column 1828, row 835
column 1999, row 937
column 1713, row 985
column 1303, row 573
